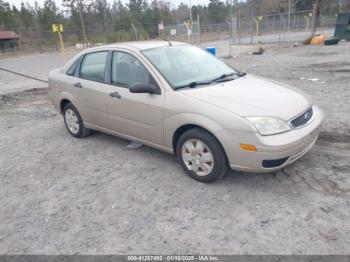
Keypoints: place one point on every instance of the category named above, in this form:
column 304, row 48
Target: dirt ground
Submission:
column 60, row 195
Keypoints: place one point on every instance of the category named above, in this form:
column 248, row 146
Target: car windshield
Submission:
column 188, row 66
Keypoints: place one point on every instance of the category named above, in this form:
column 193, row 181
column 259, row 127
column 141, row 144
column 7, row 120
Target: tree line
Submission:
column 115, row 20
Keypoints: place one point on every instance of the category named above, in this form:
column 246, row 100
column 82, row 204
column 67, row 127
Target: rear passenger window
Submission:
column 73, row 67
column 93, row 66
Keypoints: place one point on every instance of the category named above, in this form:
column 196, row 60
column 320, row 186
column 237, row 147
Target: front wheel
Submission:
column 201, row 155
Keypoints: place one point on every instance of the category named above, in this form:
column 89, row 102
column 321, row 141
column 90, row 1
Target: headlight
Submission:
column 269, row 125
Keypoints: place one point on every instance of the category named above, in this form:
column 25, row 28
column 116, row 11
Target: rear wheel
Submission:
column 74, row 122
column 201, row 155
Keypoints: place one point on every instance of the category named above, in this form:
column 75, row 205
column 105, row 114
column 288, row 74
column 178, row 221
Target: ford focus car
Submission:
column 183, row 100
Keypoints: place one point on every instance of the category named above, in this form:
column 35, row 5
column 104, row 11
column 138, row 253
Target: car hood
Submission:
column 253, row 96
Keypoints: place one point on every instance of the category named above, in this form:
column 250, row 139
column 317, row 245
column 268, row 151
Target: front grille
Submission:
column 303, row 119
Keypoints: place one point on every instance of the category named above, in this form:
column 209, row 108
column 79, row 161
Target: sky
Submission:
column 173, row 3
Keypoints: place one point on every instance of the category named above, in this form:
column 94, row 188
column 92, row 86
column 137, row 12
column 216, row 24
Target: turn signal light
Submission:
column 248, row 147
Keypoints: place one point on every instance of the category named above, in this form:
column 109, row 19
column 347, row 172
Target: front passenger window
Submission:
column 93, row 66
column 127, row 71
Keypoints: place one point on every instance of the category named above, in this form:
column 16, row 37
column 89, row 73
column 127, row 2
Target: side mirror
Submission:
column 142, row 88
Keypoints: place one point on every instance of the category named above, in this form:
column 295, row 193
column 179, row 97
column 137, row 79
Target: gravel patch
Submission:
column 61, row 195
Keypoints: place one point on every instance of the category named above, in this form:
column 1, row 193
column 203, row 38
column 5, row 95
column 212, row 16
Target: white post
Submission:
column 289, row 10
column 199, row 29
column 190, row 38
column 135, row 31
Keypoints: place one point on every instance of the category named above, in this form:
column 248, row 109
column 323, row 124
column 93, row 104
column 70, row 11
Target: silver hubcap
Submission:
column 197, row 157
column 71, row 121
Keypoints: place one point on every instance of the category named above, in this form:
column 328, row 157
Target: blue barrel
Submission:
column 211, row 50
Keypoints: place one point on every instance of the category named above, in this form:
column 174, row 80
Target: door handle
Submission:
column 78, row 85
column 115, row 95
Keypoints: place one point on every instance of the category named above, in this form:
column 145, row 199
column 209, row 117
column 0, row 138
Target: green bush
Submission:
column 48, row 42
column 120, row 36
column 113, row 37
column 72, row 40
column 143, row 35
column 97, row 39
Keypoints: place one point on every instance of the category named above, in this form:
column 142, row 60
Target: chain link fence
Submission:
column 274, row 28
column 283, row 27
column 183, row 32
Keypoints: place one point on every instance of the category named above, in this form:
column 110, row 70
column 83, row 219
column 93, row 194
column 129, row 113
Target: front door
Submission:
column 135, row 115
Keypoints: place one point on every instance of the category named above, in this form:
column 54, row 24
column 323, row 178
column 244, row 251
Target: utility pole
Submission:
column 135, row 30
column 340, row 6
column 315, row 16
column 78, row 4
column 80, row 7
column 189, row 31
column 239, row 24
column 231, row 27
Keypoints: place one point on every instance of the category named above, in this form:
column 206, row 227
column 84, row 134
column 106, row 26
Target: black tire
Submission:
column 220, row 166
column 82, row 130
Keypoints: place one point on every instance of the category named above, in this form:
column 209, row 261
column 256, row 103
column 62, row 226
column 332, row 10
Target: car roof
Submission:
column 140, row 45
column 132, row 46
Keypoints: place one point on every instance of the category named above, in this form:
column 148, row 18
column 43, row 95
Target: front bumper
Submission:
column 279, row 150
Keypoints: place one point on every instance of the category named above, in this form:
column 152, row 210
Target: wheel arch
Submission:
column 63, row 103
column 65, row 98
column 184, row 128
column 180, row 130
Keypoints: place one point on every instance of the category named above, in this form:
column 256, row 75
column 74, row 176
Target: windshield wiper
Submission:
column 193, row 84
column 217, row 79
column 224, row 76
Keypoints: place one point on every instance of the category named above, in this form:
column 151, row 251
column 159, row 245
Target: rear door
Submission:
column 136, row 115
column 91, row 88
